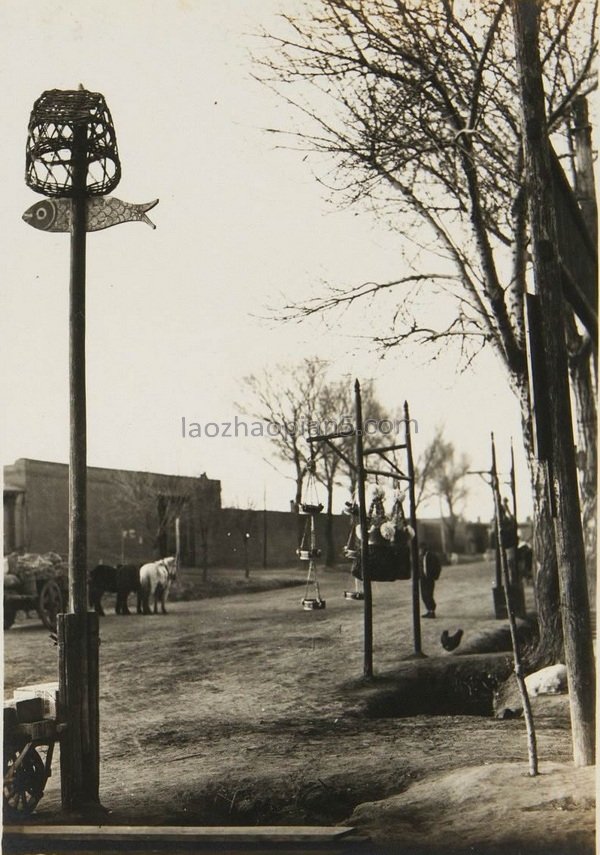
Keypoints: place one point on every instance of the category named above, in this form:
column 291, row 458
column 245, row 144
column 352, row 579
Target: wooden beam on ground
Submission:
column 231, row 839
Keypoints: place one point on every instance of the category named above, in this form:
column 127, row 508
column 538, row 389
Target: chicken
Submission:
column 451, row 642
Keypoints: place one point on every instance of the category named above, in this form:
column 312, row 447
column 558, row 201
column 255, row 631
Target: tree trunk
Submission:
column 549, row 647
column 582, row 385
column 580, row 349
column 575, row 612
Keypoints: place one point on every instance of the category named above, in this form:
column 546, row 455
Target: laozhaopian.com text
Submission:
column 242, row 428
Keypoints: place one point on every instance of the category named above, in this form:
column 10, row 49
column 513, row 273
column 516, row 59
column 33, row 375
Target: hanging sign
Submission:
column 54, row 215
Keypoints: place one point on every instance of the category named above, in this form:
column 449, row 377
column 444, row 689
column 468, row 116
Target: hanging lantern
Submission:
column 58, row 120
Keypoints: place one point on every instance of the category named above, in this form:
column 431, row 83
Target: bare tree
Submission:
column 416, row 102
column 286, row 398
column 148, row 504
column 336, row 410
column 440, row 472
column 298, row 400
column 425, row 469
column 449, row 479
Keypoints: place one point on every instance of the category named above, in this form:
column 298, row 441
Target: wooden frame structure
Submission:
column 396, row 474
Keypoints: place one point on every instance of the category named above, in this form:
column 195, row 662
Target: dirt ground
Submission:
column 247, row 710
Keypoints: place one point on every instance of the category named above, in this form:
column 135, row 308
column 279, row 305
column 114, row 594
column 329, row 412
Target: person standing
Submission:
column 430, row 568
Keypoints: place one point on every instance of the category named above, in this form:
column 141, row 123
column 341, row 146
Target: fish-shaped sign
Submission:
column 54, row 215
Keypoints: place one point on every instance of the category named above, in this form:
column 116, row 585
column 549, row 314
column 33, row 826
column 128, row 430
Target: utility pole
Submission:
column 561, row 466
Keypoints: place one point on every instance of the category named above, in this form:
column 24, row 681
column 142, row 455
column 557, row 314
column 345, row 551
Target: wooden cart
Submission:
column 42, row 589
column 27, row 763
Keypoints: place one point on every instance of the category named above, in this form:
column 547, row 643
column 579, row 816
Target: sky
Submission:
column 179, row 316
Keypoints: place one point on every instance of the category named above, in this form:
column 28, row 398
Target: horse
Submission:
column 120, row 580
column 155, row 581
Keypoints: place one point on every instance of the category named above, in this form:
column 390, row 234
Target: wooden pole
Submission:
column 531, row 738
column 414, row 546
column 78, row 427
column 177, row 542
column 78, row 630
column 364, row 538
column 265, row 530
column 575, row 611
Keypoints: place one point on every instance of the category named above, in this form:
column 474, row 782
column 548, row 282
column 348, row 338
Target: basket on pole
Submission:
column 50, row 158
column 71, row 155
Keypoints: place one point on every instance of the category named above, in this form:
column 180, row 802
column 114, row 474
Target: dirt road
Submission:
column 249, row 710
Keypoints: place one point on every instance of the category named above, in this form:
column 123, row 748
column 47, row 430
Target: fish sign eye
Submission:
column 41, row 213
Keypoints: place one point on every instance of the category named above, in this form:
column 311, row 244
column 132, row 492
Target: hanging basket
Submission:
column 354, row 595
column 388, row 562
column 310, row 604
column 306, row 508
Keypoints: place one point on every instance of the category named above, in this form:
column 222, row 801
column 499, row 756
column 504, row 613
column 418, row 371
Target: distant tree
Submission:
column 149, row 504
column 298, row 400
column 443, row 473
column 336, row 410
column 425, row 470
column 286, row 398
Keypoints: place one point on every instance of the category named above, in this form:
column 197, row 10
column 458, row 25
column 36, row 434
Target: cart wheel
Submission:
column 10, row 614
column 50, row 603
column 23, row 782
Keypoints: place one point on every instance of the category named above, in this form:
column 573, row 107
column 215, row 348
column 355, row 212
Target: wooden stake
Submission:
column 531, row 739
column 414, row 546
column 177, row 542
column 364, row 538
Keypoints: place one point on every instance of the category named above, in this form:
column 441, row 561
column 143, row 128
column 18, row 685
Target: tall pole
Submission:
column 265, row 545
column 510, row 610
column 574, row 603
column 77, row 391
column 364, row 537
column 414, row 546
column 516, row 578
column 78, row 630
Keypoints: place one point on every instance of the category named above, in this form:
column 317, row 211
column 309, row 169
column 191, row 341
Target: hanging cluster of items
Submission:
column 389, row 541
column 308, row 550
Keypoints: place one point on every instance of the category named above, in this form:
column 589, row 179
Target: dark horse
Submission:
column 121, row 580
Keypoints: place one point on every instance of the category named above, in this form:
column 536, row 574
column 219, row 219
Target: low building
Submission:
column 131, row 515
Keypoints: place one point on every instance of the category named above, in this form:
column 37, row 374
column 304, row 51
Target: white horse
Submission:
column 155, row 581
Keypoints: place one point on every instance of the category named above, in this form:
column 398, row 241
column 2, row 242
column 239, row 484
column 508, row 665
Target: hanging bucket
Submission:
column 310, row 605
column 354, row 595
column 307, row 554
